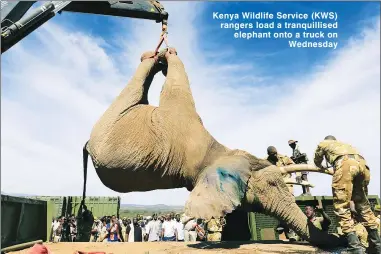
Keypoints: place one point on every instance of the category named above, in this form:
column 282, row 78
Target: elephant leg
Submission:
column 136, row 92
column 176, row 93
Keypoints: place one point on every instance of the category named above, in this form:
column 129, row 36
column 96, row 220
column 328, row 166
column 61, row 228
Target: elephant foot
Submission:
column 170, row 51
column 160, row 56
column 160, row 60
column 147, row 55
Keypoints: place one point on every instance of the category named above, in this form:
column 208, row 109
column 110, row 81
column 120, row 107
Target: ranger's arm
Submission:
column 319, row 154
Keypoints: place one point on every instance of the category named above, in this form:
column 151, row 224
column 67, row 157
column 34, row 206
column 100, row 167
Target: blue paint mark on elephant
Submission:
column 226, row 176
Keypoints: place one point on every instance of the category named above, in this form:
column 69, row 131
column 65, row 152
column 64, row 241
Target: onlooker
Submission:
column 153, row 229
column 113, row 231
column 123, row 229
column 73, row 229
column 172, row 215
column 128, row 230
column 138, row 233
column 57, row 230
column 179, row 226
column 65, row 233
column 168, row 229
column 104, row 231
column 96, row 230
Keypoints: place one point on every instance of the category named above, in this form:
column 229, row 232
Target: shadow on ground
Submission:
column 284, row 247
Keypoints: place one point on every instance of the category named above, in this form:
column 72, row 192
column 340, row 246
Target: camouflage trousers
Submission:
column 213, row 236
column 350, row 182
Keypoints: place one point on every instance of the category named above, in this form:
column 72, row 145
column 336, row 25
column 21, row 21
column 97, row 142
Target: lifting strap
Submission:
column 85, row 159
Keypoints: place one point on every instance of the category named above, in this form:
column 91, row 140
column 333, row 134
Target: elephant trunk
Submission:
column 292, row 215
column 268, row 191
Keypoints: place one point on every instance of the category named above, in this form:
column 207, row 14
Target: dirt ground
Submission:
column 176, row 247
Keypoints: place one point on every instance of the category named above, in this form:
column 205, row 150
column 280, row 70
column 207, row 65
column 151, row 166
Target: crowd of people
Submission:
column 64, row 229
column 173, row 227
column 170, row 227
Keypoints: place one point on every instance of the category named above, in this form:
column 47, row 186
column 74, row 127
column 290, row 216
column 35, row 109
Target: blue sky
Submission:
column 250, row 93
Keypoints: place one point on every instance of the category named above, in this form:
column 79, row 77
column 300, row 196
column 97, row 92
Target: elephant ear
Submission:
column 219, row 190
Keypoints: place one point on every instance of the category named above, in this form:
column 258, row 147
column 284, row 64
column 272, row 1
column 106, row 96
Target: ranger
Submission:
column 322, row 222
column 214, row 228
column 281, row 160
column 360, row 230
column 300, row 158
column 351, row 178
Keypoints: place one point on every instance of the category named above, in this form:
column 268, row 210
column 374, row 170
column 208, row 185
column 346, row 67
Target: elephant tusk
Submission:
column 304, row 167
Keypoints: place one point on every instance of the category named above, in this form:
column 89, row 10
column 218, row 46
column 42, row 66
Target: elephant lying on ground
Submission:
column 138, row 147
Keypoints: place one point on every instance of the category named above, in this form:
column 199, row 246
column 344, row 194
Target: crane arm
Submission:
column 16, row 23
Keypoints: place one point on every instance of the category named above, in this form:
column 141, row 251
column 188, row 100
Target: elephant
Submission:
column 137, row 147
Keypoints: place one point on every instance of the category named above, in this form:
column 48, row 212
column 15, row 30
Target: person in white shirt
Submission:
column 168, row 229
column 103, row 232
column 179, row 229
column 153, row 229
column 57, row 230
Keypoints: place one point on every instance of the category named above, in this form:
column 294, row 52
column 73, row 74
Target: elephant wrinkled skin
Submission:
column 138, row 147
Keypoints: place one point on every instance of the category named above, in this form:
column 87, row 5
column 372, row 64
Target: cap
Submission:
column 292, row 141
column 329, row 137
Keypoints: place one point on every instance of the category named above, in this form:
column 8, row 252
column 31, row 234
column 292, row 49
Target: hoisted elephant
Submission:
column 138, row 147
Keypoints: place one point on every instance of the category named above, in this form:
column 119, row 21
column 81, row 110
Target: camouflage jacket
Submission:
column 214, row 225
column 331, row 150
column 283, row 160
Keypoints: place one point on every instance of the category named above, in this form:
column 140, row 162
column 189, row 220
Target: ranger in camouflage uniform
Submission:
column 300, row 158
column 281, row 160
column 214, row 228
column 360, row 230
column 350, row 181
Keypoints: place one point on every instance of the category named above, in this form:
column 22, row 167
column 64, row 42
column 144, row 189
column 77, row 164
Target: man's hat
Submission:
column 292, row 141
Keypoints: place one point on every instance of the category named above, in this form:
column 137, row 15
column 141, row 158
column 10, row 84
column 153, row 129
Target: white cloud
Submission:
column 58, row 87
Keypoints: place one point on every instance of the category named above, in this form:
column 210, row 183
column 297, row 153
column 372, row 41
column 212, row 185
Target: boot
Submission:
column 374, row 241
column 354, row 245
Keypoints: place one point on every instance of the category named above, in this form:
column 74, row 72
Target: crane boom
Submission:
column 16, row 23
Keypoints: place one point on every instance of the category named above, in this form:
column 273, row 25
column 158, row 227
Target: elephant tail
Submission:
column 85, row 160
